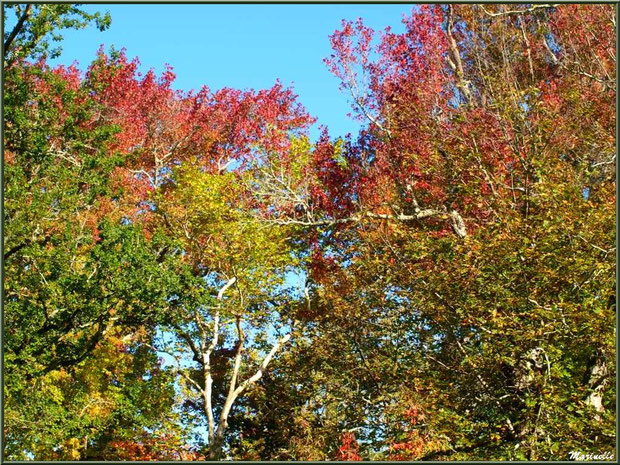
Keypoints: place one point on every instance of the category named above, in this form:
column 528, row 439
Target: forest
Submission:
column 189, row 275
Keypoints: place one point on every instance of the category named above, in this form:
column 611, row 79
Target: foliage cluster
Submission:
column 187, row 275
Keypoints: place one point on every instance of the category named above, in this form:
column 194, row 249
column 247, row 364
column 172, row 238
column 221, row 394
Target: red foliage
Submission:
column 349, row 450
column 413, row 447
column 147, row 449
column 162, row 127
column 399, row 93
column 335, row 177
column 426, row 140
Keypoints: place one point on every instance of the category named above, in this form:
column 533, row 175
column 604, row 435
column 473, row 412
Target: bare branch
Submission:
column 611, row 161
column 529, row 49
column 221, row 168
column 596, row 246
column 259, row 373
column 149, row 177
column 520, row 12
column 458, row 225
column 221, row 292
column 206, row 362
column 66, row 156
column 178, row 370
column 554, row 58
column 190, row 380
column 190, row 342
column 456, row 64
column 239, row 352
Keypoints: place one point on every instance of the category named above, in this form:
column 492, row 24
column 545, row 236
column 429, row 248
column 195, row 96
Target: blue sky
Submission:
column 240, row 46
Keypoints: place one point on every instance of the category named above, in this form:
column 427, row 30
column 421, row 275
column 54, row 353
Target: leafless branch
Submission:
column 520, row 12
column 263, row 366
column 458, row 225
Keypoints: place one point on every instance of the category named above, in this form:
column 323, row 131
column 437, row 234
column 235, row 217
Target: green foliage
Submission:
column 77, row 270
column 36, row 26
column 118, row 392
column 222, row 237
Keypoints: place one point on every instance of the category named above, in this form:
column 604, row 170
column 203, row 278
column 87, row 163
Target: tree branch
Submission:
column 26, row 243
column 458, row 225
column 520, row 12
column 206, row 363
column 231, row 396
column 18, row 27
column 457, row 65
column 259, row 373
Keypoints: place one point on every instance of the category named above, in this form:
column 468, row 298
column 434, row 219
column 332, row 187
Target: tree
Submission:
column 463, row 112
column 77, row 271
column 35, row 24
column 87, row 410
column 183, row 149
column 235, row 253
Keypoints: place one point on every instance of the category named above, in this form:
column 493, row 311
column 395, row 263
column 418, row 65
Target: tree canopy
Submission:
column 188, row 275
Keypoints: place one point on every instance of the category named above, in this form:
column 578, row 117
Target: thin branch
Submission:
column 529, row 48
column 520, row 12
column 26, row 243
column 458, row 225
column 191, row 380
column 554, row 58
column 457, row 65
column 150, row 178
column 222, row 168
column 178, row 369
column 611, row 161
column 190, row 342
column 239, row 352
column 596, row 246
